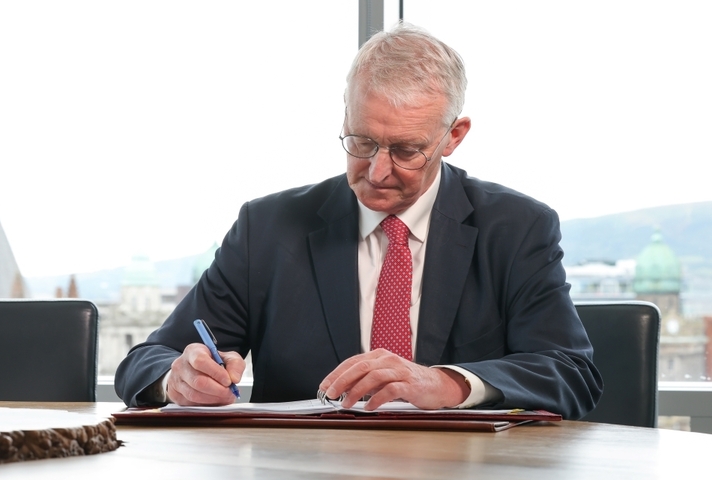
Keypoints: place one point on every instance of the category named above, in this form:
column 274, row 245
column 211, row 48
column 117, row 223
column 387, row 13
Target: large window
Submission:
column 131, row 132
column 599, row 108
column 142, row 126
column 592, row 107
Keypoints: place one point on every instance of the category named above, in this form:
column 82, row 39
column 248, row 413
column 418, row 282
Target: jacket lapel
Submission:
column 334, row 251
column 451, row 245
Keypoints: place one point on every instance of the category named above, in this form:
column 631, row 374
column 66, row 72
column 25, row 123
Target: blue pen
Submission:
column 209, row 340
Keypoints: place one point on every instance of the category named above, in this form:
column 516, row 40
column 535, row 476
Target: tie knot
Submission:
column 395, row 230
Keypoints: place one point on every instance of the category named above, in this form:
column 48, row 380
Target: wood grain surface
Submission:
column 565, row 449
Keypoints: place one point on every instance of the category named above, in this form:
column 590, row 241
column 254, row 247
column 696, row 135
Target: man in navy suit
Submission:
column 295, row 280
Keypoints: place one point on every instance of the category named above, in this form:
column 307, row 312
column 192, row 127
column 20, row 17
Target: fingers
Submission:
column 387, row 377
column 378, row 373
column 234, row 365
column 196, row 379
column 326, row 384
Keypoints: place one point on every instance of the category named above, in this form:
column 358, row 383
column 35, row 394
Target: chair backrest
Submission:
column 48, row 350
column 625, row 338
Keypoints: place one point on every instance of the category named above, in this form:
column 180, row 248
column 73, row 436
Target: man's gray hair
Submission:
column 408, row 62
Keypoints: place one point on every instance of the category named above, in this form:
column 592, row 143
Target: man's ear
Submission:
column 457, row 134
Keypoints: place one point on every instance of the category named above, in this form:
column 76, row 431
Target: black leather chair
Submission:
column 48, row 350
column 625, row 338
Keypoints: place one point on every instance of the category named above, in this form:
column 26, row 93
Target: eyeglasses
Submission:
column 406, row 158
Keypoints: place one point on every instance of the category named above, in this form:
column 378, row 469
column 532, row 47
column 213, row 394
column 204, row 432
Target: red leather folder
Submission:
column 407, row 419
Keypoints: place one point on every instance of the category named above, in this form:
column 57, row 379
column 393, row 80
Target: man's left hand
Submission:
column 386, row 377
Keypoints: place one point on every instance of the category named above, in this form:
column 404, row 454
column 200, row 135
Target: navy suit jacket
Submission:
column 284, row 285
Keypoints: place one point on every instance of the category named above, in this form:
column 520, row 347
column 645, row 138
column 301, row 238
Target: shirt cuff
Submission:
column 164, row 388
column 480, row 392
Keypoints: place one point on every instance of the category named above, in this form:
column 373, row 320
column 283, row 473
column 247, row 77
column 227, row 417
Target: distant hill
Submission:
column 687, row 229
column 104, row 285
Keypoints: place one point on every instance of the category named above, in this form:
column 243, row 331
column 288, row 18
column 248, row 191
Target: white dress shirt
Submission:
column 372, row 247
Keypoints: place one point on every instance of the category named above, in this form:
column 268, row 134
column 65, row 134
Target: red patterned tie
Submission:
column 391, row 313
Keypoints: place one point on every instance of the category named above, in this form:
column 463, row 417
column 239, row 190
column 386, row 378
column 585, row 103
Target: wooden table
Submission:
column 569, row 450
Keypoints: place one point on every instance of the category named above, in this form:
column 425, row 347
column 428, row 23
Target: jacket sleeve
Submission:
column 547, row 361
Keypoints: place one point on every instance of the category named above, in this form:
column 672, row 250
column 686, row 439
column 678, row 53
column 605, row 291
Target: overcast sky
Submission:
column 142, row 126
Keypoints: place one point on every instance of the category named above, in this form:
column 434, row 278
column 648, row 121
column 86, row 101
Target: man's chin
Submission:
column 384, row 200
column 385, row 205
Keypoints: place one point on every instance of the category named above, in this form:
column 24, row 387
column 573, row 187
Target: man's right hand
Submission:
column 196, row 379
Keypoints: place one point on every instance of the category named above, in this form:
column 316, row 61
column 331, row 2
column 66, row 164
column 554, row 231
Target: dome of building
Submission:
column 140, row 273
column 203, row 261
column 657, row 269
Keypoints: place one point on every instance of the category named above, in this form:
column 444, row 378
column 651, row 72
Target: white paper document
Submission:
column 315, row 406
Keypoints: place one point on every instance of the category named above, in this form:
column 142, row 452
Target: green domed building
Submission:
column 658, row 276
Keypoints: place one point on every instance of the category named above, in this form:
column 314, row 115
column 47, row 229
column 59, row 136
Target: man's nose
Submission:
column 381, row 165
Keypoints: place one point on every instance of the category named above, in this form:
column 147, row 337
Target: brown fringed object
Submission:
column 70, row 435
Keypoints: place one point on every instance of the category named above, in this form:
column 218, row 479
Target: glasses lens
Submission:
column 361, row 147
column 364, row 147
column 408, row 158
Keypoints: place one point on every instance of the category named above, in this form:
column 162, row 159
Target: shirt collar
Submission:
column 416, row 217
